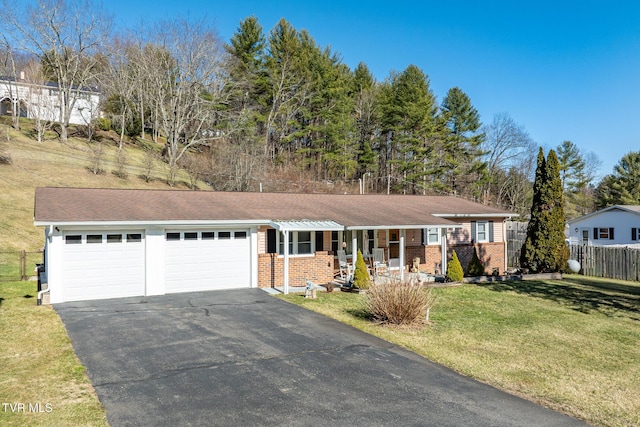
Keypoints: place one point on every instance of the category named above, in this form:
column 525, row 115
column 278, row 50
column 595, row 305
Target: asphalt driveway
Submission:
column 243, row 357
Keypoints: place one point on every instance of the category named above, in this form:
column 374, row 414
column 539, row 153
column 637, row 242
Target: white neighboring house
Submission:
column 42, row 101
column 615, row 225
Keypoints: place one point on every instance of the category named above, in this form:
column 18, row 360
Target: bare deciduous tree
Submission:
column 10, row 62
column 66, row 36
column 40, row 105
column 120, row 80
column 188, row 87
column 510, row 161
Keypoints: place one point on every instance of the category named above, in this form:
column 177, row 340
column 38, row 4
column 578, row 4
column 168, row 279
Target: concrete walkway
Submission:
column 246, row 358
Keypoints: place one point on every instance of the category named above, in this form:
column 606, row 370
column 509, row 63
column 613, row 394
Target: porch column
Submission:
column 354, row 248
column 285, row 233
column 443, row 249
column 403, row 232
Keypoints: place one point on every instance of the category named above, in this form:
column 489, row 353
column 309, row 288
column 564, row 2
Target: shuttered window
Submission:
column 605, row 233
column 482, row 231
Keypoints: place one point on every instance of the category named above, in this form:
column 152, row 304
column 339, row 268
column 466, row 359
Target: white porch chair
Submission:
column 379, row 263
column 344, row 266
column 394, row 264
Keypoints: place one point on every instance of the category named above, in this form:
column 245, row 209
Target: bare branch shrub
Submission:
column 399, row 302
column 196, row 166
column 5, row 158
column 121, row 164
column 149, row 164
column 96, row 157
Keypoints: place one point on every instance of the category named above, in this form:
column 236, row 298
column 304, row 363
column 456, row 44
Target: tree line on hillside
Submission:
column 277, row 104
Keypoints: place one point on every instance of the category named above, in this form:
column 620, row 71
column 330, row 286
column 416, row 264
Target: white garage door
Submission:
column 98, row 265
column 206, row 260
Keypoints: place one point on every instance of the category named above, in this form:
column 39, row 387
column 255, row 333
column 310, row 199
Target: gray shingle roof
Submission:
column 71, row 205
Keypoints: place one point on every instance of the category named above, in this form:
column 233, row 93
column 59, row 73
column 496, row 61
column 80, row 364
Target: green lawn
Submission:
column 39, row 367
column 572, row 345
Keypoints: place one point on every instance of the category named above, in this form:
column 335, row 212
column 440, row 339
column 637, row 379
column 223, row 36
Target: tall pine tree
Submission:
column 460, row 153
column 544, row 249
column 409, row 110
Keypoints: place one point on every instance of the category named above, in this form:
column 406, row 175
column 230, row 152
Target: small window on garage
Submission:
column 134, row 237
column 191, row 235
column 114, row 238
column 74, row 239
column 224, row 235
column 94, row 238
column 208, row 235
column 173, row 236
column 240, row 235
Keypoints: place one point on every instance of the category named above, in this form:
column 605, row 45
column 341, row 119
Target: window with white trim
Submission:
column 431, row 236
column 605, row 233
column 336, row 243
column 366, row 239
column 635, row 233
column 300, row 243
column 482, row 232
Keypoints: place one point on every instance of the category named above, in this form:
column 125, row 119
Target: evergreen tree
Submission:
column 237, row 157
column 361, row 278
column 544, row 249
column 622, row 187
column 454, row 269
column 246, row 65
column 460, row 156
column 409, row 121
column 572, row 166
column 366, row 118
column 576, row 177
column 329, row 144
column 475, row 267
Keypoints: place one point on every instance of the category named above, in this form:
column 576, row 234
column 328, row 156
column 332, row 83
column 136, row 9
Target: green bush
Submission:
column 454, row 269
column 103, row 123
column 361, row 279
column 399, row 302
column 475, row 267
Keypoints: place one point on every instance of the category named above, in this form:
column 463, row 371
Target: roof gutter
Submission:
column 487, row 215
column 402, row 226
column 111, row 223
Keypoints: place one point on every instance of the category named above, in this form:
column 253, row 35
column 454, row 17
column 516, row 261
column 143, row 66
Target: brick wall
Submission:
column 491, row 255
column 317, row 268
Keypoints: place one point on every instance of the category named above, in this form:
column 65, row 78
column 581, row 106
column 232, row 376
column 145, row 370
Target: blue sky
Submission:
column 565, row 70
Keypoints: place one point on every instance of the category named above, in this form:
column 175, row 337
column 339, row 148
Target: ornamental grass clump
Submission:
column 398, row 302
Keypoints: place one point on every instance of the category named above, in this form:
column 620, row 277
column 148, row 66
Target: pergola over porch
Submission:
column 288, row 226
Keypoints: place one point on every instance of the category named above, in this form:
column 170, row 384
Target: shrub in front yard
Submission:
column 454, row 269
column 399, row 302
column 475, row 267
column 361, row 279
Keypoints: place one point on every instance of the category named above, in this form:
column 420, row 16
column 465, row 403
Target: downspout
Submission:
column 49, row 234
column 504, row 243
column 41, row 293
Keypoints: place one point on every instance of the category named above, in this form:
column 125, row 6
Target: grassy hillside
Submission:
column 54, row 164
